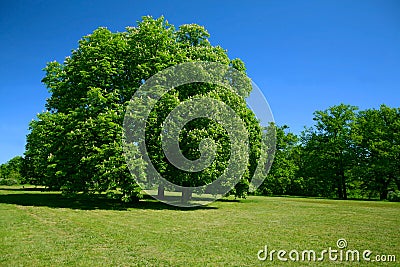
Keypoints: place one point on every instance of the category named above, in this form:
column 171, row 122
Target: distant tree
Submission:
column 329, row 151
column 282, row 177
column 315, row 167
column 379, row 150
column 12, row 172
column 76, row 145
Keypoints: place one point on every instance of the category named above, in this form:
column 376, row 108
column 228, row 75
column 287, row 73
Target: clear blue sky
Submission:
column 304, row 55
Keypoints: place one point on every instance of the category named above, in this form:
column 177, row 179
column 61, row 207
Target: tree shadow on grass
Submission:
column 84, row 202
column 20, row 189
column 328, row 198
column 229, row 200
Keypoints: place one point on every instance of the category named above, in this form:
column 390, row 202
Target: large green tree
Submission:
column 76, row 144
column 329, row 151
column 379, row 151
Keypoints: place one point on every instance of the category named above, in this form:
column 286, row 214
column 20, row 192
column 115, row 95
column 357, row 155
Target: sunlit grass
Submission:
column 44, row 229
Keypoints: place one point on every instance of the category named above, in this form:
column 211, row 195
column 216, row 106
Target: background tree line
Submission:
column 348, row 153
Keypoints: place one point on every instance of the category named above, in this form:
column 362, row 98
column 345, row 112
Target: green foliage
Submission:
column 8, row 181
column 394, row 196
column 197, row 130
column 282, row 177
column 12, row 172
column 330, row 151
column 76, row 145
column 347, row 154
column 378, row 144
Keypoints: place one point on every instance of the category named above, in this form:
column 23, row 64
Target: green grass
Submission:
column 45, row 229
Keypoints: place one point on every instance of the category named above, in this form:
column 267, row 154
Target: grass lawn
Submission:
column 45, row 229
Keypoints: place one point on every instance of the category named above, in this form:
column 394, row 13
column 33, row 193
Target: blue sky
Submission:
column 304, row 55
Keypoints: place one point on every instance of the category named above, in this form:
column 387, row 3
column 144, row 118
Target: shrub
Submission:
column 394, row 196
column 8, row 181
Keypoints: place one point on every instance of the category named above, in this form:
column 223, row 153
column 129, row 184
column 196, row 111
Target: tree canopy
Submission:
column 76, row 144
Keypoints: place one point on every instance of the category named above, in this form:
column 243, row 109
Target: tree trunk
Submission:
column 340, row 188
column 160, row 194
column 186, row 195
column 383, row 194
column 343, row 180
column 398, row 183
column 384, row 189
column 344, row 187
